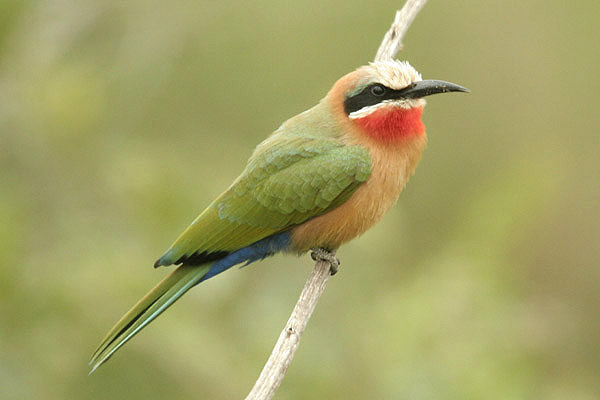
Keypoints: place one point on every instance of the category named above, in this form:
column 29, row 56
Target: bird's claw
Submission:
column 321, row 254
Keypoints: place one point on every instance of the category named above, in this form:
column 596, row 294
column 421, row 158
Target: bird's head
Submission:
column 385, row 99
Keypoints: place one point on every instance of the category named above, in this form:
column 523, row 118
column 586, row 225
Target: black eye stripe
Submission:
column 371, row 95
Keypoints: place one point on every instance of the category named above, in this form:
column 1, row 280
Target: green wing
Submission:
column 288, row 180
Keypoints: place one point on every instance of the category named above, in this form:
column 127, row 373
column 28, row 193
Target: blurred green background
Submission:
column 120, row 121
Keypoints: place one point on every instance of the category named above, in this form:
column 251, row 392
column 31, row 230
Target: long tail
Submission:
column 149, row 307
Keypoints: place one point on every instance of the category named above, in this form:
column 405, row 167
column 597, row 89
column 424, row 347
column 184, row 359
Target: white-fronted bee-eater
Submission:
column 321, row 179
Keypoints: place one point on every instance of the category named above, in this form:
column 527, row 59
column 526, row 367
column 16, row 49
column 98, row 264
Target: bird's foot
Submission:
column 319, row 253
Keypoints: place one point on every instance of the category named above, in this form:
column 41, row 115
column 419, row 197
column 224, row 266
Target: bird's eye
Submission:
column 378, row 90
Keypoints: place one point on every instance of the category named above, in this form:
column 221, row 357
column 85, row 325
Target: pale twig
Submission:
column 272, row 374
column 326, row 264
column 392, row 41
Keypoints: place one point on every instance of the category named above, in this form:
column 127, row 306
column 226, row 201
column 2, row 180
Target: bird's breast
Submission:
column 392, row 166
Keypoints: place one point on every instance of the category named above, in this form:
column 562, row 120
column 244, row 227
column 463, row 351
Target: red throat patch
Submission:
column 391, row 124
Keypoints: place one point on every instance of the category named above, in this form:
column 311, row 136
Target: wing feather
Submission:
column 286, row 182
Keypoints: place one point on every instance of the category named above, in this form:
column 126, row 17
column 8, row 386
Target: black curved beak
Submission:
column 428, row 87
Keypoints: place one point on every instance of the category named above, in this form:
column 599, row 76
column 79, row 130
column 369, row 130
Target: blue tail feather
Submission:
column 256, row 251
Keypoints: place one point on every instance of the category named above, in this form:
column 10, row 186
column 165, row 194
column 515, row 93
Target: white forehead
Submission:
column 393, row 73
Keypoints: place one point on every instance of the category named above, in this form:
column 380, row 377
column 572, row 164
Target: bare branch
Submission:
column 274, row 370
column 392, row 41
column 272, row 374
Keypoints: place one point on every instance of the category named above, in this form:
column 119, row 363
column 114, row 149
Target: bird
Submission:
column 324, row 177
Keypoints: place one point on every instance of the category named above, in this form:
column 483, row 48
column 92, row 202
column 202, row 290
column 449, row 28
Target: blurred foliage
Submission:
column 120, row 121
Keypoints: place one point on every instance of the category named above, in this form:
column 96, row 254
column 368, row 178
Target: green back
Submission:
column 289, row 179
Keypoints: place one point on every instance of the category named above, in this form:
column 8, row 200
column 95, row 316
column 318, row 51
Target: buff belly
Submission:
column 391, row 170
